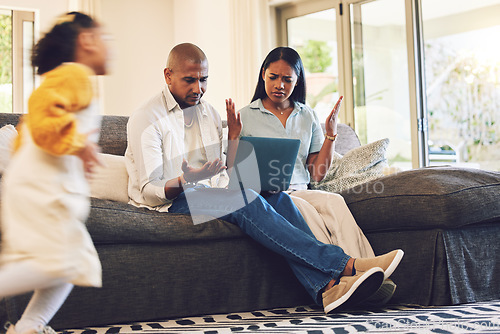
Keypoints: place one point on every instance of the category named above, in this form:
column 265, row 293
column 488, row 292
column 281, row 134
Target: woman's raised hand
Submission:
column 233, row 121
column 331, row 120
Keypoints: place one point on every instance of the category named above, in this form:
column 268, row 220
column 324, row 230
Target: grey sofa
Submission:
column 160, row 265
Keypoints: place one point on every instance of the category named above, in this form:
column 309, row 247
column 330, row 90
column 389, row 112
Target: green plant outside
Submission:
column 316, row 56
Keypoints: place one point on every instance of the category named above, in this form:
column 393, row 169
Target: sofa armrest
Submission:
column 426, row 198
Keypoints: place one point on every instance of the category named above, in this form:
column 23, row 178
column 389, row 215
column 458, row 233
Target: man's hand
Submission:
column 233, row 121
column 206, row 171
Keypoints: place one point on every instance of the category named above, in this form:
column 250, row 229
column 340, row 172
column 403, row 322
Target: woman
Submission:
column 278, row 110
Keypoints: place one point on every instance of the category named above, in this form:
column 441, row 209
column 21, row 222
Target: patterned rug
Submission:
column 468, row 318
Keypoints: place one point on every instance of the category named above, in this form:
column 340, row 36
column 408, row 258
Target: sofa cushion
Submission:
column 346, row 139
column 120, row 223
column 435, row 197
column 113, row 138
column 359, row 165
column 7, row 135
column 111, row 180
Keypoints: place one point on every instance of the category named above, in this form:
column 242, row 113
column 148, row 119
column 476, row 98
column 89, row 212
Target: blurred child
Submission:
column 45, row 195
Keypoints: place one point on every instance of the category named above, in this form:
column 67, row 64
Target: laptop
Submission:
column 264, row 164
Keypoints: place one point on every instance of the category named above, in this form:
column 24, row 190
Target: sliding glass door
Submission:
column 17, row 76
column 6, row 63
column 423, row 73
column 462, row 67
column 357, row 49
column 380, row 84
column 314, row 36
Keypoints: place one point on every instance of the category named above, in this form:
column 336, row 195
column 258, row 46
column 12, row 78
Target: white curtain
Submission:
column 251, row 39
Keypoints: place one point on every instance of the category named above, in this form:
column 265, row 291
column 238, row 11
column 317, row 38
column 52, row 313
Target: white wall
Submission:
column 143, row 34
column 145, row 31
column 142, row 37
column 207, row 24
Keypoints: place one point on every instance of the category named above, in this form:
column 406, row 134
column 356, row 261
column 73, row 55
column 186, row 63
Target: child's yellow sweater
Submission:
column 51, row 121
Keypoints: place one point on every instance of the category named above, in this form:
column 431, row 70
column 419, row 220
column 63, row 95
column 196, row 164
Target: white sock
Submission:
column 43, row 306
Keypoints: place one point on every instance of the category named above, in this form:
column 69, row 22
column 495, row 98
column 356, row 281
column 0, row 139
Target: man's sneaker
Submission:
column 388, row 262
column 383, row 294
column 351, row 290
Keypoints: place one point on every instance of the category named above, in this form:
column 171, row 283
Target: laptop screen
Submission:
column 264, row 164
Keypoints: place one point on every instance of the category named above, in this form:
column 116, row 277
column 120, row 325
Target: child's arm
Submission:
column 90, row 157
column 51, row 120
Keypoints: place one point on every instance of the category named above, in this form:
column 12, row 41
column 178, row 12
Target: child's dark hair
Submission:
column 58, row 45
column 293, row 59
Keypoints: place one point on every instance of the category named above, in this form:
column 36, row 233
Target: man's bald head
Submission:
column 186, row 74
column 185, row 52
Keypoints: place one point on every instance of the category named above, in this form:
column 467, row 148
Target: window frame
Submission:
column 19, row 17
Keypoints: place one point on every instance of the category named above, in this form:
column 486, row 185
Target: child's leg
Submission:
column 50, row 293
column 21, row 277
column 43, row 306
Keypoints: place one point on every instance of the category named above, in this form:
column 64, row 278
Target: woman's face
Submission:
column 280, row 80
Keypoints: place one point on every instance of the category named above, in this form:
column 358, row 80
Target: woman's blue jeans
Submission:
column 276, row 223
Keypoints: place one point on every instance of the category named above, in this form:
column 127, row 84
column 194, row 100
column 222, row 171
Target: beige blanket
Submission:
column 331, row 221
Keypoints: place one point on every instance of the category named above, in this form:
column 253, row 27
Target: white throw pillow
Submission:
column 7, row 135
column 110, row 182
column 359, row 165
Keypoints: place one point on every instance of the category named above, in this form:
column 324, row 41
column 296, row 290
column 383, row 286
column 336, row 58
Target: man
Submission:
column 176, row 139
column 164, row 122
